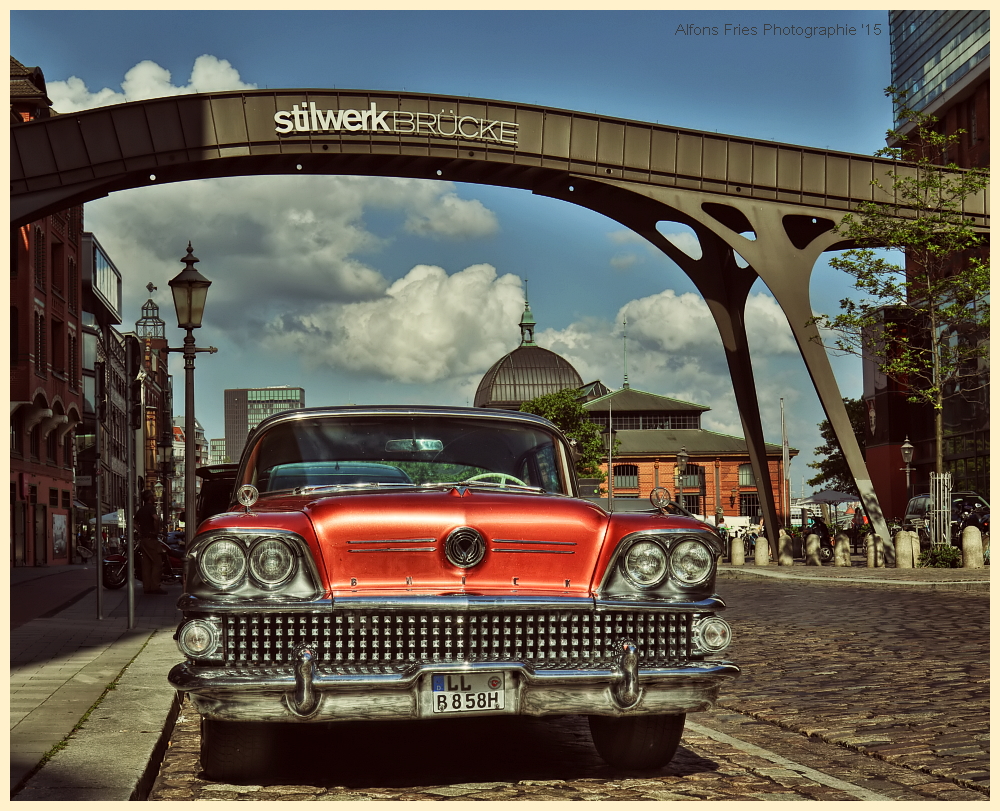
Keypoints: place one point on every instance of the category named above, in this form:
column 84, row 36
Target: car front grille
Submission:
column 372, row 641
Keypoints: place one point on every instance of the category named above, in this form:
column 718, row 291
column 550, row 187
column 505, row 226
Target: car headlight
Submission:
column 645, row 564
column 223, row 563
column 712, row 635
column 198, row 639
column 272, row 562
column 690, row 563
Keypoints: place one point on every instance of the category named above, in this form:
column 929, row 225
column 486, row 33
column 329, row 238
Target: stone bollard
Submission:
column 904, row 550
column 736, row 553
column 972, row 548
column 915, row 541
column 874, row 552
column 812, row 550
column 760, row 551
column 785, row 557
column 841, row 550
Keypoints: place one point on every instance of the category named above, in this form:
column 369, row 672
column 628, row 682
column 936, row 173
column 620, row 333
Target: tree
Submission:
column 566, row 411
column 833, row 469
column 923, row 323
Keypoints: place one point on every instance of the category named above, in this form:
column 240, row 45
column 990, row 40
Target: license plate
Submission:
column 467, row 692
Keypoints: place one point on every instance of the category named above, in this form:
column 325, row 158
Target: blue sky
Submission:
column 413, row 287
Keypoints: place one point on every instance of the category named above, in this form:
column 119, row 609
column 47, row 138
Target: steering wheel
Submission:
column 503, row 477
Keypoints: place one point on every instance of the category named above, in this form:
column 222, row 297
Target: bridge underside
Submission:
column 774, row 205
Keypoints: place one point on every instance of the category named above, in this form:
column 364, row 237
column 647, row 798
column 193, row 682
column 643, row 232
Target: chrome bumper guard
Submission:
column 306, row 694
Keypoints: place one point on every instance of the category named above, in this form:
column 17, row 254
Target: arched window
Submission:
column 746, row 475
column 626, row 476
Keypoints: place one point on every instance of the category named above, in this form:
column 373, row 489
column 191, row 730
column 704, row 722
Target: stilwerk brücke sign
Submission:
column 308, row 119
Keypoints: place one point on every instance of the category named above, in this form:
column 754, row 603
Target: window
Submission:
column 40, row 360
column 746, row 475
column 749, row 504
column 626, row 476
column 14, row 351
column 69, row 445
column 65, row 499
column 39, row 259
column 58, row 346
column 74, row 363
column 34, row 442
column 51, row 448
column 58, row 262
column 53, row 497
column 73, row 285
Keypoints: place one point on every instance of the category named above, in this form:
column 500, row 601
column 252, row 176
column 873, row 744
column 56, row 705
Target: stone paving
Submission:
column 847, row 693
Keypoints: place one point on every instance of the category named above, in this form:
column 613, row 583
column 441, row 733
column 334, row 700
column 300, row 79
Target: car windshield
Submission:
column 403, row 450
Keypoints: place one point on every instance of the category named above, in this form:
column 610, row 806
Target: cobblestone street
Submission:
column 847, row 694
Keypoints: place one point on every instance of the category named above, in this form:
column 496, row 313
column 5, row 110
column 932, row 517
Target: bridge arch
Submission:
column 639, row 174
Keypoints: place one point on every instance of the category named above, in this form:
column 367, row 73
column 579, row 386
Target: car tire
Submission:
column 235, row 751
column 637, row 741
column 826, row 554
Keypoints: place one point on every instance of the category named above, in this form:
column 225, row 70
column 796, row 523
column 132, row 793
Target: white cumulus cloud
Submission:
column 147, row 80
column 428, row 326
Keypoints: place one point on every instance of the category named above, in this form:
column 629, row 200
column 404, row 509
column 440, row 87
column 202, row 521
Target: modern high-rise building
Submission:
column 245, row 408
column 217, row 452
column 941, row 60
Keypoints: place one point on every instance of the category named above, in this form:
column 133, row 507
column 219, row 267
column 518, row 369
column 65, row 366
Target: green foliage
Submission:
column 941, row 557
column 923, row 321
column 834, row 472
column 566, row 411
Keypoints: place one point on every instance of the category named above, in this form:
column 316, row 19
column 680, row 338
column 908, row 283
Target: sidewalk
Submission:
column 62, row 664
column 63, row 661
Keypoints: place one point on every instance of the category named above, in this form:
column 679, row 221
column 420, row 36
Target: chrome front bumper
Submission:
column 304, row 694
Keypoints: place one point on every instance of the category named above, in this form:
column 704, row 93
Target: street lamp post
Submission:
column 682, row 460
column 906, row 449
column 189, row 289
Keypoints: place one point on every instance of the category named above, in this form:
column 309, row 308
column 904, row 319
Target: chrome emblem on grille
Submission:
column 465, row 547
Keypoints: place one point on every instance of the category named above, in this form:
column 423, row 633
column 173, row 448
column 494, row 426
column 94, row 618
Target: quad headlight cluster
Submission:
column 241, row 563
column 647, row 562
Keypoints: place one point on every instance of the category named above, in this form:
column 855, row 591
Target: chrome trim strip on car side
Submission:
column 397, row 549
column 398, row 540
column 553, row 543
column 538, row 551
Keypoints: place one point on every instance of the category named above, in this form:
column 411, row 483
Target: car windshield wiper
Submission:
column 487, row 485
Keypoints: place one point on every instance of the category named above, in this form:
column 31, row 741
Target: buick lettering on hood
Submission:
column 430, row 562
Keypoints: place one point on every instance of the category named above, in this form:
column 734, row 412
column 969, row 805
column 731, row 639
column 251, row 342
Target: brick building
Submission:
column 45, row 380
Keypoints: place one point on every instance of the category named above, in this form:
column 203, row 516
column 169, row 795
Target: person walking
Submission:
column 148, row 523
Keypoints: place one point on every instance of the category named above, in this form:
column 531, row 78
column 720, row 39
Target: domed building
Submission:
column 526, row 373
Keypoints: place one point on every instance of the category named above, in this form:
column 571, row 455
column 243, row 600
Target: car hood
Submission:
column 395, row 542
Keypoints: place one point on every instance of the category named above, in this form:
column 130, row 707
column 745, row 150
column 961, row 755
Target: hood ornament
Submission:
column 247, row 495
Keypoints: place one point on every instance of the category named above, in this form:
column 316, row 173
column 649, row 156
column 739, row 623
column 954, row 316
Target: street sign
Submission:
column 121, row 517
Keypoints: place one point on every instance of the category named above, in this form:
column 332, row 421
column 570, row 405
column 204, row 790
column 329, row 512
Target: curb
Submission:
column 871, row 582
column 116, row 754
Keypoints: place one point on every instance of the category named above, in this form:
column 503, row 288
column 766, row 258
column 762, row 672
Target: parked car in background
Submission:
column 216, row 493
column 963, row 503
column 435, row 563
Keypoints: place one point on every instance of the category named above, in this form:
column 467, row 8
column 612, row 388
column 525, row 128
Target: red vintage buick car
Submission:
column 426, row 562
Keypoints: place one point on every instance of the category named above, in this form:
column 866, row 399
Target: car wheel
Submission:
column 826, row 554
column 637, row 741
column 235, row 751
